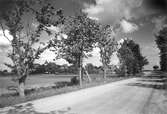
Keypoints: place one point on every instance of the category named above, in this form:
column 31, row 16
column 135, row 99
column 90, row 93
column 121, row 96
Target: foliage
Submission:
column 38, row 69
column 25, row 34
column 53, row 68
column 131, row 59
column 107, row 45
column 161, row 41
column 82, row 34
column 126, row 58
column 92, row 69
column 155, row 67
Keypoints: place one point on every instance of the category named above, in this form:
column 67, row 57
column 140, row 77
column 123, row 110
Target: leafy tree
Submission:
column 38, row 69
column 51, row 68
column 107, row 45
column 126, row 57
column 26, row 35
column 161, row 41
column 72, row 69
column 131, row 60
column 140, row 60
column 82, row 34
column 91, row 69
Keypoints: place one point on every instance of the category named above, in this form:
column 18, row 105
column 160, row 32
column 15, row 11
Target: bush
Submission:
column 155, row 67
column 74, row 80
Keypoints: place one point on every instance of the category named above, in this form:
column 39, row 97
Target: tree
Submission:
column 52, row 68
column 131, row 59
column 126, row 58
column 107, row 45
column 161, row 41
column 82, row 34
column 26, row 35
column 140, row 61
column 38, row 69
column 90, row 68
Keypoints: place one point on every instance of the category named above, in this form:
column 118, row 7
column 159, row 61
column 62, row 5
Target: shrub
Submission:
column 74, row 80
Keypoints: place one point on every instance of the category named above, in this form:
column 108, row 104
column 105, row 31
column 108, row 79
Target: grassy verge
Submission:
column 11, row 99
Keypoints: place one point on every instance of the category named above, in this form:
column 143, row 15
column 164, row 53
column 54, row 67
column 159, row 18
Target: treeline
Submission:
column 131, row 59
column 82, row 35
column 53, row 68
column 161, row 41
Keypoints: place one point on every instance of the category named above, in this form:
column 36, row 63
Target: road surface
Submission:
column 144, row 95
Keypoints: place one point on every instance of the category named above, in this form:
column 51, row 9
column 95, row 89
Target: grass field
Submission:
column 33, row 81
column 47, row 86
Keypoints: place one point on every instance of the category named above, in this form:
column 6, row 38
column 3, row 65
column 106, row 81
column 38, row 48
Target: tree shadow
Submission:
column 158, row 80
column 145, row 85
column 152, row 81
column 29, row 109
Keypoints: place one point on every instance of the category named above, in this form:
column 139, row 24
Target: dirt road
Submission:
column 144, row 95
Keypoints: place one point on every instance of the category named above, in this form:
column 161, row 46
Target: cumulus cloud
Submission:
column 54, row 28
column 94, row 18
column 3, row 40
column 128, row 27
column 94, row 10
column 114, row 59
column 113, row 10
column 4, row 49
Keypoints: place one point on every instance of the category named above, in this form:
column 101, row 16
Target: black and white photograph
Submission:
column 83, row 56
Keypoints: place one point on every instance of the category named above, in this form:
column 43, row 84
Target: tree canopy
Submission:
column 26, row 46
column 107, row 45
column 82, row 34
column 131, row 59
column 161, row 41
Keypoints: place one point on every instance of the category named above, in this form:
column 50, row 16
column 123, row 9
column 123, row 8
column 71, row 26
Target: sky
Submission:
column 135, row 19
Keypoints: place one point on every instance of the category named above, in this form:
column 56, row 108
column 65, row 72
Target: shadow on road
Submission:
column 155, row 80
column 29, row 109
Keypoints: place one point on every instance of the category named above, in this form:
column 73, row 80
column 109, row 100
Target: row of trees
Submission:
column 83, row 35
column 131, row 59
column 161, row 41
column 53, row 68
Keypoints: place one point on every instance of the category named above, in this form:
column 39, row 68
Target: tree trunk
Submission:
column 126, row 70
column 21, row 88
column 104, row 73
column 80, row 76
column 80, row 70
column 89, row 78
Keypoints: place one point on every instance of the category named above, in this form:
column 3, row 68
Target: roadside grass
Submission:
column 62, row 87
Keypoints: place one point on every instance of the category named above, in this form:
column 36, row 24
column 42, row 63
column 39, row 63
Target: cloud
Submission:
column 113, row 10
column 3, row 40
column 94, row 18
column 159, row 22
column 54, row 28
column 4, row 44
column 128, row 27
column 94, row 10
column 114, row 59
